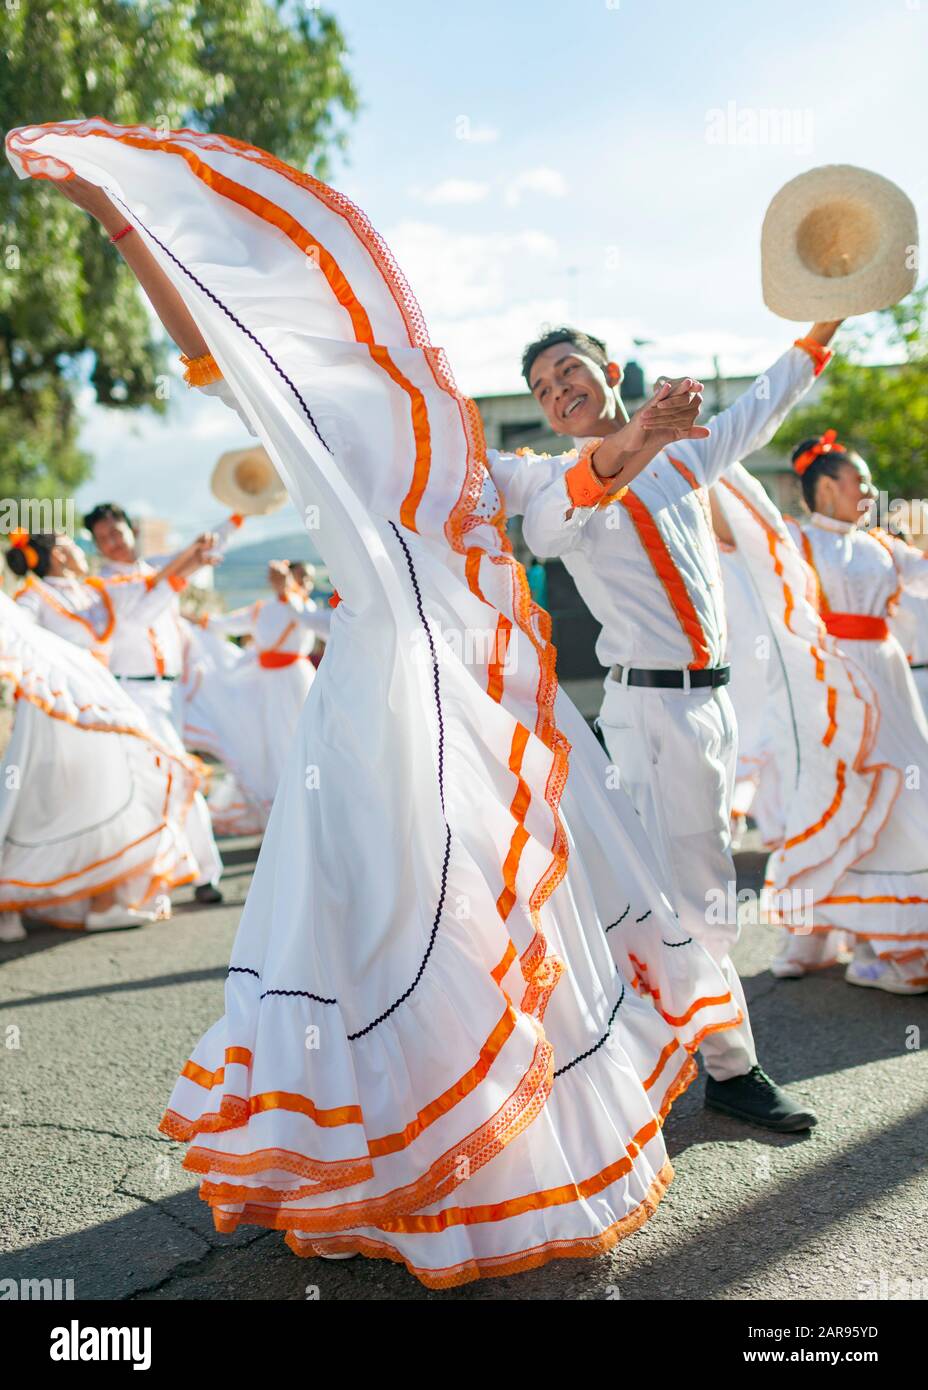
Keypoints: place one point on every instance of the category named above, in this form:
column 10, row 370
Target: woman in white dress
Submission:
column 263, row 706
column 444, row 1043
column 92, row 808
column 850, row 734
column 69, row 855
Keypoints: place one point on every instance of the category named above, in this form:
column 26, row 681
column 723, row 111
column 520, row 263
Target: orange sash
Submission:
column 858, row 627
column 272, row 661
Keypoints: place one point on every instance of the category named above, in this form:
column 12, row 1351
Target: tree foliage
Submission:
column 881, row 411
column 265, row 71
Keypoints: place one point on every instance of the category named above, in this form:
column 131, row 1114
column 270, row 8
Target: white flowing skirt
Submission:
column 398, row 1070
column 90, row 799
column 883, row 896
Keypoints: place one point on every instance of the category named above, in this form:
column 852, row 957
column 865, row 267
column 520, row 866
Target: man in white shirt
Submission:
column 644, row 559
column 149, row 660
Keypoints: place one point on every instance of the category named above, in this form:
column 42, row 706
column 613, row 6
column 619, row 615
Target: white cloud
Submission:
column 474, row 134
column 456, row 191
column 550, row 183
column 456, row 273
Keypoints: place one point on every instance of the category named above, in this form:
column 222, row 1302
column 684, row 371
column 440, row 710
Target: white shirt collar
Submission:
column 831, row 523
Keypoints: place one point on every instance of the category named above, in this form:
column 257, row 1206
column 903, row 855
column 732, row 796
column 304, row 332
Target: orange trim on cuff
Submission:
column 177, row 583
column 585, row 488
column 821, row 356
column 201, row 371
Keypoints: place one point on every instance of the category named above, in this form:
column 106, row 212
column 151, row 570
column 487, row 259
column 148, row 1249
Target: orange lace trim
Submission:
column 235, row 1111
column 498, row 1266
column 442, row 1177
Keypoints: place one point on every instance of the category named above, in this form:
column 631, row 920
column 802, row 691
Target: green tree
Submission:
column 882, row 411
column 267, row 71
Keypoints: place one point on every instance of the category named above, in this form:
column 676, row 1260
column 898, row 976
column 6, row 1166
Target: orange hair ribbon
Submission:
column 827, row 444
column 19, row 540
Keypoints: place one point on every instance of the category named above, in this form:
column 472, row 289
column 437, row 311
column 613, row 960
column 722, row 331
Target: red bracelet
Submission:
column 122, row 232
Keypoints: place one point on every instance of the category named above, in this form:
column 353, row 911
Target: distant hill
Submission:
column 242, row 576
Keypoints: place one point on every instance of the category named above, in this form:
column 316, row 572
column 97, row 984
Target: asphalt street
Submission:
column 93, row 1030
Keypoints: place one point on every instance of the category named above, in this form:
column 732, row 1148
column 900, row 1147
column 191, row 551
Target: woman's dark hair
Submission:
column 583, row 342
column 43, row 544
column 824, row 466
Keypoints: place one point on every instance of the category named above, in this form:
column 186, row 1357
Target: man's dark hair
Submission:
column 583, row 342
column 106, row 511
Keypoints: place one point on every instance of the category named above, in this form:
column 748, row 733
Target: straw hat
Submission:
column 247, row 481
column 837, row 241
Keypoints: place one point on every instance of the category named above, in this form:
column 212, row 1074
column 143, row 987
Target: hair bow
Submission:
column 827, row 444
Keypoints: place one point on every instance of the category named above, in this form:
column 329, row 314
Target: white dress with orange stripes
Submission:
column 883, row 897
column 445, row 1042
column 264, row 704
column 90, row 800
column 86, row 611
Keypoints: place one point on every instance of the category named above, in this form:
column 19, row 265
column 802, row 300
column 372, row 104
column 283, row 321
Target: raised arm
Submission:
column 315, row 619
column 165, row 299
column 239, row 623
column 754, row 418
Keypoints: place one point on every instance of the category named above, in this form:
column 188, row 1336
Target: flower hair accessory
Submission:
column 19, row 540
column 827, row 444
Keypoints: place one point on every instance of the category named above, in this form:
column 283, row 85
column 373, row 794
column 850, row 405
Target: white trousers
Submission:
column 676, row 754
column 162, row 704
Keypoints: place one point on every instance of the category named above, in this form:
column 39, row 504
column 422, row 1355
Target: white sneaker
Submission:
column 881, row 974
column 11, row 928
column 115, row 917
column 334, row 1254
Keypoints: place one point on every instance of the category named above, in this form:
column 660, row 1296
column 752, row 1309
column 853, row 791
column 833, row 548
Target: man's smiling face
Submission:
column 573, row 392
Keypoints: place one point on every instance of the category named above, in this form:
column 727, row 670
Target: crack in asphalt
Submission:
column 88, row 1129
column 188, row 1268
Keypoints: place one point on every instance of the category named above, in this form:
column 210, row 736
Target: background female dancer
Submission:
column 263, row 700
column 844, row 723
column 92, row 807
column 859, row 576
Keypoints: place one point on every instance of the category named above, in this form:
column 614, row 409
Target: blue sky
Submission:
column 535, row 162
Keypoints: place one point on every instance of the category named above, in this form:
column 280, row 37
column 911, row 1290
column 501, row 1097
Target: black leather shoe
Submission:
column 760, row 1101
column 206, row 893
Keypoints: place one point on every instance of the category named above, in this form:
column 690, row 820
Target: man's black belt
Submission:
column 145, row 678
column 672, row 680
